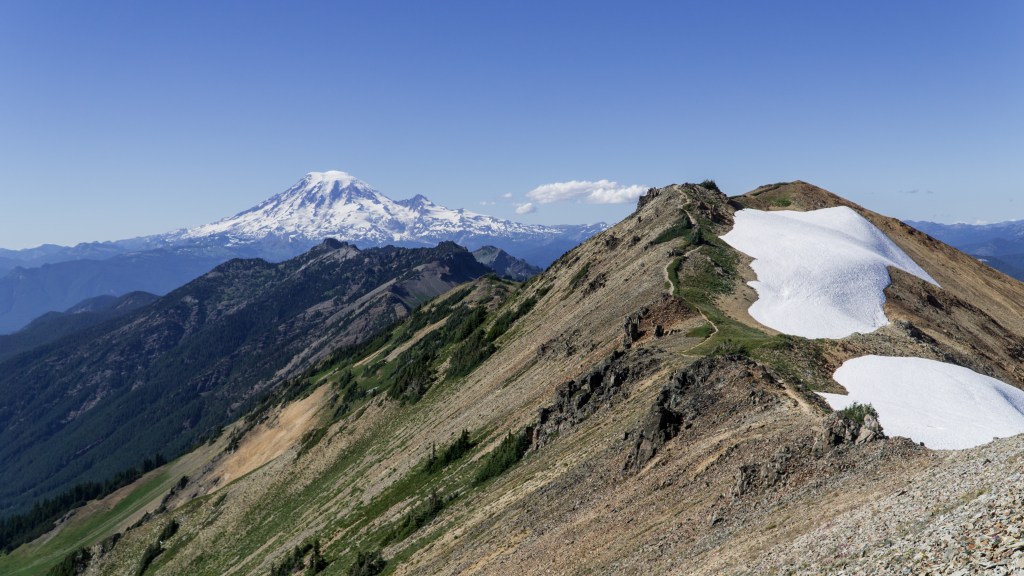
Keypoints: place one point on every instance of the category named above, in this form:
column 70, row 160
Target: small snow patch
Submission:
column 820, row 274
column 947, row 407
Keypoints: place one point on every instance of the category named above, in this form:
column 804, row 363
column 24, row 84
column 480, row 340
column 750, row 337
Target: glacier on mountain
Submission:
column 336, row 204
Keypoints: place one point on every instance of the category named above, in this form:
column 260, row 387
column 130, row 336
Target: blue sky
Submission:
column 128, row 118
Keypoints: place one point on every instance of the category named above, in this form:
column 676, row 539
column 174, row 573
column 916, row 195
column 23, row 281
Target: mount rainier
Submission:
column 336, row 204
column 321, row 205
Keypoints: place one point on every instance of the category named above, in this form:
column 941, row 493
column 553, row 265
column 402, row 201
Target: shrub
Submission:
column 507, row 454
column 367, row 564
column 710, row 185
column 579, row 277
column 415, row 519
column 470, row 353
column 293, row 561
column 856, row 412
column 505, row 321
column 451, row 453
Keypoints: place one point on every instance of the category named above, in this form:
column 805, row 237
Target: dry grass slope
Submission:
column 748, row 480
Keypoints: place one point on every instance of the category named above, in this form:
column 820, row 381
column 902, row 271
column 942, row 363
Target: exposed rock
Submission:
column 870, row 431
column 108, row 543
column 653, row 319
column 694, row 392
column 631, row 327
column 595, row 284
column 837, row 430
column 763, row 475
column 645, row 199
column 913, row 332
column 576, row 400
column 565, row 344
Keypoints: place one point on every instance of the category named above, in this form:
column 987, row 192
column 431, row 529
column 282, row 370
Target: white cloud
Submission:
column 506, row 195
column 526, row 208
column 487, row 202
column 600, row 192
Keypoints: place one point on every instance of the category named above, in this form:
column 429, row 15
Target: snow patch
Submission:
column 947, row 407
column 820, row 274
column 344, row 179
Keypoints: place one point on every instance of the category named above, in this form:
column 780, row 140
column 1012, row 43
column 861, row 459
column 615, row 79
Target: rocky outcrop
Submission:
column 711, row 388
column 763, row 475
column 576, row 400
column 647, row 198
column 838, row 430
column 565, row 345
column 654, row 320
column 631, row 327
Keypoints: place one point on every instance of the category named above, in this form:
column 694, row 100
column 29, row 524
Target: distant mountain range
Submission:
column 1000, row 245
column 321, row 205
column 157, row 376
column 53, row 326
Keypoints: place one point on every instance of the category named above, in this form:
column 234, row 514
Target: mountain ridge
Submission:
column 622, row 412
column 90, row 404
column 321, row 205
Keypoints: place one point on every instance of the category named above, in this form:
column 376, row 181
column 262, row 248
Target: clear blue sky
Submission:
column 126, row 118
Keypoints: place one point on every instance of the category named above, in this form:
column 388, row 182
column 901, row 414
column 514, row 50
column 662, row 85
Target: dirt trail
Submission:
column 672, row 289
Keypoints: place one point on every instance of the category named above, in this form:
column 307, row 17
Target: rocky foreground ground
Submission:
column 962, row 515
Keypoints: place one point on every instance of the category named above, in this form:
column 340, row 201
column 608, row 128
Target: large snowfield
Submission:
column 943, row 405
column 820, row 274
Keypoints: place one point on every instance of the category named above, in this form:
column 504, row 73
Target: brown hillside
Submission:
column 670, row 434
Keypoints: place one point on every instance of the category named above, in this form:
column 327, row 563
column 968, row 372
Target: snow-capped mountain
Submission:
column 335, row 204
column 321, row 205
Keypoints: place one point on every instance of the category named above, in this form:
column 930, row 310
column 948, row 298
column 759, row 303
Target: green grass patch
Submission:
column 80, row 531
column 713, row 273
column 732, row 337
column 679, row 229
column 702, row 331
column 579, row 277
column 781, row 202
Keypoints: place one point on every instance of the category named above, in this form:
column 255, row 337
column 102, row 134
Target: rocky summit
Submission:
column 622, row 412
